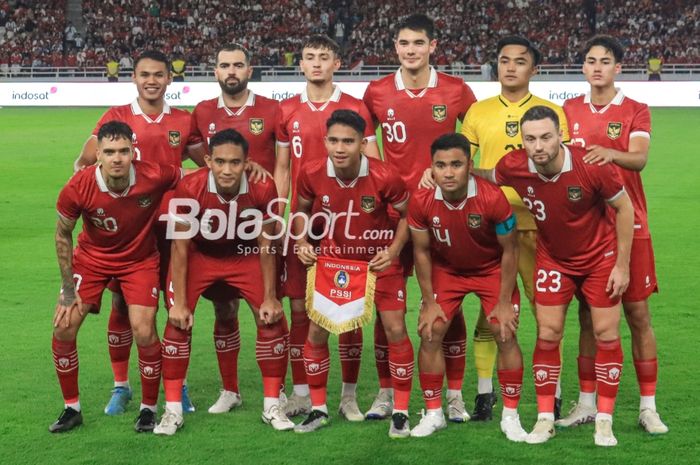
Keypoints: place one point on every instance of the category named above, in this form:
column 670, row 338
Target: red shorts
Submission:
column 138, row 282
column 642, row 272
column 390, row 289
column 554, row 286
column 450, row 290
column 219, row 275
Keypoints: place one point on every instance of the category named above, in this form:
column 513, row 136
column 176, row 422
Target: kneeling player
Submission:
column 355, row 191
column 222, row 235
column 464, row 241
column 118, row 199
column 580, row 248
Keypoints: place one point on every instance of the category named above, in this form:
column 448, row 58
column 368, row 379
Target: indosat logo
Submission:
column 177, row 95
column 27, row 96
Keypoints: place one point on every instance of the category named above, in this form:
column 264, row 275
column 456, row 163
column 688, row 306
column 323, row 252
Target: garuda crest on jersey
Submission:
column 474, row 221
column 174, row 138
column 439, row 113
column 367, row 203
column 575, row 193
column 256, row 125
column 614, row 130
column 512, row 128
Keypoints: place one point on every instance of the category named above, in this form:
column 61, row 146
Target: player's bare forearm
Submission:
column 372, row 150
column 64, row 254
column 282, row 172
column 400, row 238
column 196, row 154
column 88, row 155
column 268, row 261
column 624, row 229
column 424, row 273
column 488, row 174
column 509, row 265
column 179, row 252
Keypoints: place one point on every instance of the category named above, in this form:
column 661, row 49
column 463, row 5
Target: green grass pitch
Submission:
column 38, row 149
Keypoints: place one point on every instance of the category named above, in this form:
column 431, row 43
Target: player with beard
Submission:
column 253, row 116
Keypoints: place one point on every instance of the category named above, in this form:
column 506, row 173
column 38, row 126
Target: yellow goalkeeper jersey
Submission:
column 492, row 127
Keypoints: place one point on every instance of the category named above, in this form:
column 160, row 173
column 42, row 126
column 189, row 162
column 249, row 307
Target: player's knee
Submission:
column 297, row 305
column 395, row 331
column 638, row 316
column 550, row 332
column 65, row 334
column 144, row 333
column 317, row 335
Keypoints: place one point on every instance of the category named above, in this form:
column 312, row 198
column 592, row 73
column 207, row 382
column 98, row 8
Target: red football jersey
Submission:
column 369, row 228
column 255, row 120
column 225, row 223
column 117, row 227
column 613, row 126
column 158, row 139
column 301, row 125
column 412, row 120
column 570, row 209
column 462, row 235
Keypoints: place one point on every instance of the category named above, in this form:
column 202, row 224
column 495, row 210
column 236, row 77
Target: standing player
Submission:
column 464, row 241
column 117, row 199
column 413, row 106
column 255, row 116
column 161, row 135
column 580, row 249
column 206, row 253
column 342, row 182
column 616, row 129
column 492, row 128
column 300, row 130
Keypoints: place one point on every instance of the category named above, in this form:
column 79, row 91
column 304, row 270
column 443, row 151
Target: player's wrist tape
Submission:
column 506, row 226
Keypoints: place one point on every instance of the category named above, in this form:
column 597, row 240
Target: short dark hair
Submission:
column 115, row 130
column 609, row 43
column 154, row 55
column 321, row 41
column 452, row 140
column 539, row 112
column 348, row 118
column 520, row 40
column 233, row 47
column 418, row 22
column 228, row 136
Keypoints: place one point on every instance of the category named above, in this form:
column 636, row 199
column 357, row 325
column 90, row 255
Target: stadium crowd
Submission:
column 36, row 33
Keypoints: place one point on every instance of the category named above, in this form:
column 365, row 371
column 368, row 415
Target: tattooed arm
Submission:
column 69, row 299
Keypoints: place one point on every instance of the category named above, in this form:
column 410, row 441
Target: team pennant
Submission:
column 340, row 294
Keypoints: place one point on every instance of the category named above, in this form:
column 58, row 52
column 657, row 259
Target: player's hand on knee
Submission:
column 506, row 316
column 181, row 317
column 427, row 181
column 429, row 314
column 67, row 304
column 270, row 311
column 257, row 172
column 618, row 281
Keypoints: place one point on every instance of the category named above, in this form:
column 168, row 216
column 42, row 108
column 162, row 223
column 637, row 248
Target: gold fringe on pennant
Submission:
column 324, row 322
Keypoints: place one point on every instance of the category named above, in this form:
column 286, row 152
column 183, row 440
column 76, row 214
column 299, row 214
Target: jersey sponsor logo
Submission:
column 575, row 193
column 174, row 138
column 512, row 128
column 436, row 221
column 100, row 212
column 367, row 203
column 212, row 128
column 144, row 201
column 614, row 130
column 326, row 201
column 341, row 279
column 474, row 221
column 256, row 125
column 295, row 126
column 400, row 295
column 390, row 114
column 530, row 191
column 439, row 113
